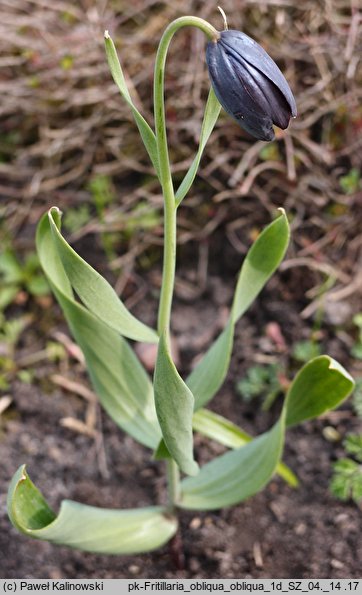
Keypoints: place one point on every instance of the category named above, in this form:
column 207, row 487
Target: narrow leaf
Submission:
column 94, row 291
column 236, row 475
column 262, row 260
column 211, row 115
column 174, row 406
column 85, row 527
column 218, row 428
column 146, row 132
column 209, row 374
column 322, row 384
column 122, row 385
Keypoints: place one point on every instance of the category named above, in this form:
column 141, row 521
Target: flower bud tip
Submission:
column 224, row 18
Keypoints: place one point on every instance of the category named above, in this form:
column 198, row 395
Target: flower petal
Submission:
column 241, row 44
column 234, row 91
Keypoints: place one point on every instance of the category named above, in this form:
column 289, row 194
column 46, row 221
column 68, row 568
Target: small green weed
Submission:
column 10, row 331
column 346, row 482
column 260, row 381
column 16, row 276
column 351, row 182
column 76, row 218
column 303, row 351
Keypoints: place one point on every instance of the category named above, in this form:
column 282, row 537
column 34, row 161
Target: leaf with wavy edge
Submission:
column 120, row 381
column 88, row 528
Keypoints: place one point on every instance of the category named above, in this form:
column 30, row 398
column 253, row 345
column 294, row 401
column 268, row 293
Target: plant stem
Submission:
column 173, row 481
column 170, row 207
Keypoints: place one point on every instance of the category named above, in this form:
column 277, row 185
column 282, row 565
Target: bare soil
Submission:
column 65, row 125
column 280, row 533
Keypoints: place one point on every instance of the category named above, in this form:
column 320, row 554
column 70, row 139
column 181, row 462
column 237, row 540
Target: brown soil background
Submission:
column 63, row 125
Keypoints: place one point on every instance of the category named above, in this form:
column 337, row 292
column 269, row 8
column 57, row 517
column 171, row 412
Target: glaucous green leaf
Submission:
column 319, row 386
column 161, row 453
column 94, row 291
column 218, row 428
column 120, row 381
column 261, row 261
column 92, row 529
column 146, row 132
column 211, row 115
column 209, row 374
column 174, row 405
column 236, row 475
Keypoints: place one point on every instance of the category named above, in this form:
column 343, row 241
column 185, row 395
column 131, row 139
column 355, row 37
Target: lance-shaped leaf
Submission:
column 218, row 428
column 119, row 379
column 146, row 132
column 322, row 384
column 236, row 475
column 85, row 527
column 212, row 111
column 174, row 405
column 94, row 291
column 208, row 375
column 261, row 261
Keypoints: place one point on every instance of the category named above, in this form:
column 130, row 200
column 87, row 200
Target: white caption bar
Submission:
column 160, row 586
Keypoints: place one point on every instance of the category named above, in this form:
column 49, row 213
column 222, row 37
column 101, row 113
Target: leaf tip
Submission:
column 336, row 366
column 20, row 475
column 282, row 211
column 23, row 474
column 106, row 34
column 191, row 468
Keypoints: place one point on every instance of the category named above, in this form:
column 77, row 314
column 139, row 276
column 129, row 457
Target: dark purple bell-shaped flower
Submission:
column 249, row 85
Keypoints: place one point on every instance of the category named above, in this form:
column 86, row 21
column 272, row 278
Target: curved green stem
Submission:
column 164, row 165
column 170, row 207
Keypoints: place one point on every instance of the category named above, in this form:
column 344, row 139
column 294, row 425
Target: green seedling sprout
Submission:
column 162, row 413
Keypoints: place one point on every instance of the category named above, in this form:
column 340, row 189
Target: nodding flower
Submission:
column 249, row 85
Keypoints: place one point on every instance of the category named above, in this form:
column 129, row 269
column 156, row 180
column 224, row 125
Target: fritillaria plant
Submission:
column 163, row 414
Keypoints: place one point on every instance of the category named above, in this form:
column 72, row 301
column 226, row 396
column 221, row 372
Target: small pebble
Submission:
column 337, row 564
column 331, row 434
column 300, row 529
column 134, row 569
column 195, row 523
